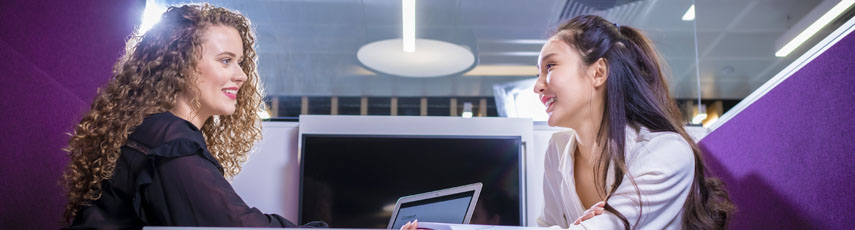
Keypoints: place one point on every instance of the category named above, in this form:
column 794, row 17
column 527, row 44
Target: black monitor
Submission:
column 353, row 181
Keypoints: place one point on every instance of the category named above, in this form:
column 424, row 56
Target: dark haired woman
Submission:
column 627, row 157
column 176, row 119
column 627, row 146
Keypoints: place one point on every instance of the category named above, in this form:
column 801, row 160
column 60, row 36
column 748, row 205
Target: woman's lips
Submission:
column 231, row 92
column 550, row 102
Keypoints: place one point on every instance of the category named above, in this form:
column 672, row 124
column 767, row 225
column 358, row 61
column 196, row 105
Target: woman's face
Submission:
column 219, row 74
column 564, row 83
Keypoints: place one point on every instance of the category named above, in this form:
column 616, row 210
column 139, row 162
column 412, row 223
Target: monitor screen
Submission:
column 354, row 181
column 444, row 209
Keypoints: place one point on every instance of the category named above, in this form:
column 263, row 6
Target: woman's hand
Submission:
column 411, row 225
column 595, row 210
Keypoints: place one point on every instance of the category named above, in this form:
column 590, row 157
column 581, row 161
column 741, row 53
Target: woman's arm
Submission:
column 190, row 191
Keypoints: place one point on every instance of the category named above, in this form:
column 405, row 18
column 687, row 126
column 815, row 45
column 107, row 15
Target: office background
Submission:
column 786, row 157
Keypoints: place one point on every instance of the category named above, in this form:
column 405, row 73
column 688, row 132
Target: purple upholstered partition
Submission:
column 53, row 57
column 789, row 158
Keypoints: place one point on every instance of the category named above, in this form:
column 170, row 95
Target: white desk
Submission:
column 449, row 227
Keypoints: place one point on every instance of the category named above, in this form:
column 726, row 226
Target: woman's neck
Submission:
column 183, row 110
column 586, row 144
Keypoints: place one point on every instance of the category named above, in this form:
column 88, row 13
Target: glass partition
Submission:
column 309, row 64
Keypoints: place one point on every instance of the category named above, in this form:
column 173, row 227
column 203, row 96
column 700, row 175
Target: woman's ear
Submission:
column 599, row 72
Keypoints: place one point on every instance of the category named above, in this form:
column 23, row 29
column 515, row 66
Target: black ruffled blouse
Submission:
column 165, row 176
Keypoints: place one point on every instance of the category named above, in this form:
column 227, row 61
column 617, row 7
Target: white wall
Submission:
column 270, row 179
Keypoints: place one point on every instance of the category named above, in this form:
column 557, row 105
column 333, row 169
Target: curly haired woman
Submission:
column 176, row 119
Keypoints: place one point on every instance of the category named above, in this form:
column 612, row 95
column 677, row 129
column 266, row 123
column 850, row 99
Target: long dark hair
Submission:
column 637, row 95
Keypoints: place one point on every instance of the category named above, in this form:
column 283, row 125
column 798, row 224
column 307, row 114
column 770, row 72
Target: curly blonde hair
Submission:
column 157, row 66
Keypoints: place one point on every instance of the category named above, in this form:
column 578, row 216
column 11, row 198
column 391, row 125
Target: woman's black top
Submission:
column 165, row 176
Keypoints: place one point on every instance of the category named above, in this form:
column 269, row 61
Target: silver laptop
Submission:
column 451, row 205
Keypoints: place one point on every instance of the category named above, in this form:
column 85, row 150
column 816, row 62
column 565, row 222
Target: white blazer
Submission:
column 661, row 162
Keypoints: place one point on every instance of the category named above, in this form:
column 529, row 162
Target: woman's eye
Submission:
column 226, row 60
column 549, row 66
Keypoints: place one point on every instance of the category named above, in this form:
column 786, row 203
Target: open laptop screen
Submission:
column 445, row 209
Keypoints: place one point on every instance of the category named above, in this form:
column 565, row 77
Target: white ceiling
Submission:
column 308, row 47
column 736, row 44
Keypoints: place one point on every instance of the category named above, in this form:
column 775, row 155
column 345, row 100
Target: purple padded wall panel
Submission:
column 788, row 158
column 75, row 42
column 55, row 55
column 36, row 113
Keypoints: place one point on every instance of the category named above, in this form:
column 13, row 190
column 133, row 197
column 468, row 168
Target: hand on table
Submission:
column 411, row 225
column 595, row 210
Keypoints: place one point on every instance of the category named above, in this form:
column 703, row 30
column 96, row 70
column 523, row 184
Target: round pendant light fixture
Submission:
column 433, row 58
column 412, row 57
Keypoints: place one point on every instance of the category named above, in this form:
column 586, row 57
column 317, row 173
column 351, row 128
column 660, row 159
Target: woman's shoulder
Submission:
column 667, row 150
column 162, row 128
column 166, row 136
column 563, row 137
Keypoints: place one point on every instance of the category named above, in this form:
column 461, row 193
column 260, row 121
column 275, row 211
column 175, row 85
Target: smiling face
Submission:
column 219, row 75
column 564, row 83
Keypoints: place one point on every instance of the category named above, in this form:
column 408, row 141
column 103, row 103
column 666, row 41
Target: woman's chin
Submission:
column 226, row 112
column 555, row 120
column 552, row 120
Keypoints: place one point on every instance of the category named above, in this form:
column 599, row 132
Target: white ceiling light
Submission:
column 506, row 70
column 829, row 11
column 690, row 14
column 515, row 41
column 408, row 9
column 399, row 57
column 433, row 59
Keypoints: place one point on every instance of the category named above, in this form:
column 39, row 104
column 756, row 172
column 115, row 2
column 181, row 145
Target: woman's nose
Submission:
column 539, row 86
column 240, row 76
